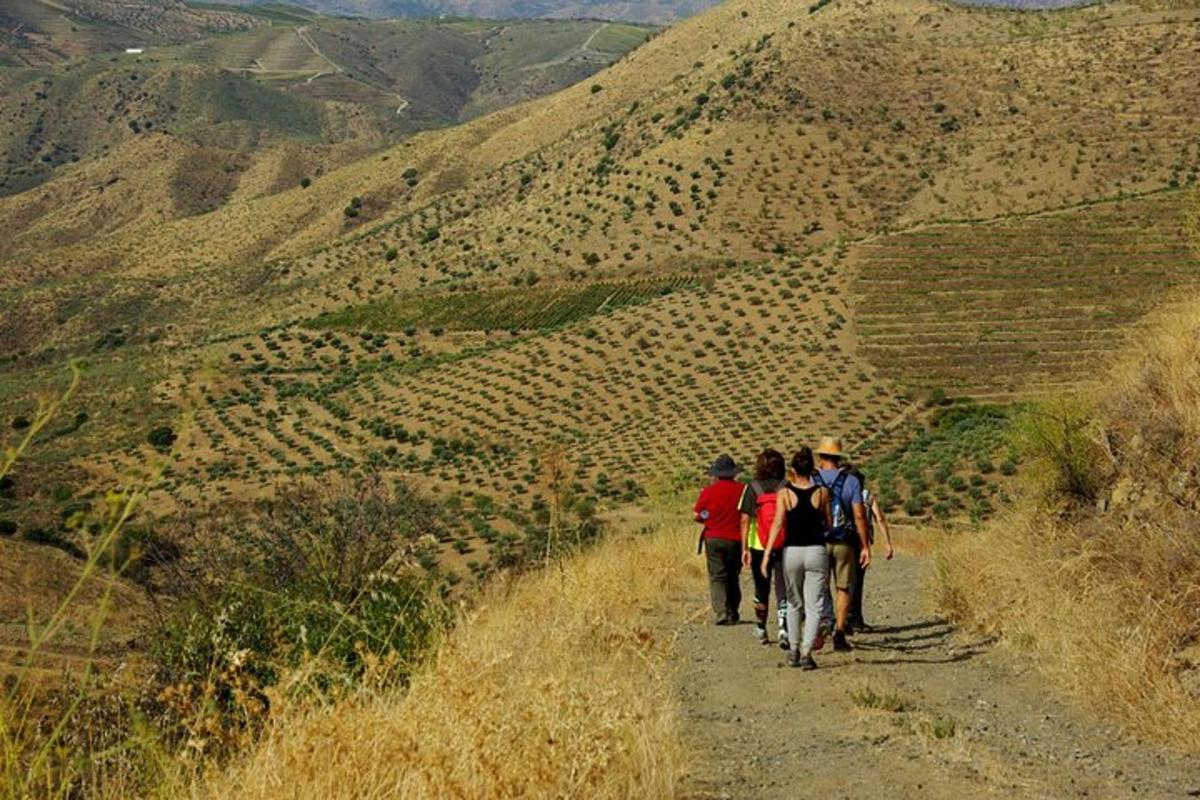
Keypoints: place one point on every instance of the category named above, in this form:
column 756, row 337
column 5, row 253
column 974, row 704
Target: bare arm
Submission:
column 882, row 523
column 864, row 542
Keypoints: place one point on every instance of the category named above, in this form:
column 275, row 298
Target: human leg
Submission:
column 733, row 573
column 762, row 592
column 793, row 572
column 781, row 603
column 816, row 571
column 716, row 578
column 856, row 604
column 842, row 556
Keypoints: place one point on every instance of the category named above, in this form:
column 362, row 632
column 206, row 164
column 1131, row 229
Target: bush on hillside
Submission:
column 161, row 438
column 319, row 585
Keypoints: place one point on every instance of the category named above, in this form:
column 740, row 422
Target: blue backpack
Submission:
column 843, row 518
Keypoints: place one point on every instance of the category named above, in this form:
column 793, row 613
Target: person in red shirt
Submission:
column 719, row 510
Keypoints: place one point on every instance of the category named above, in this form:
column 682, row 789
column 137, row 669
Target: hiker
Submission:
column 717, row 510
column 802, row 515
column 758, row 512
column 875, row 521
column 848, row 528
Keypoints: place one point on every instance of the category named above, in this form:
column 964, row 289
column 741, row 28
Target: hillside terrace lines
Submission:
column 753, row 189
column 931, row 310
column 632, row 391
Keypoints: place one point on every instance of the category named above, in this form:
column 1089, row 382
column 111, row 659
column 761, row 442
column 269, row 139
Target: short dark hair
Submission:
column 802, row 461
column 769, row 466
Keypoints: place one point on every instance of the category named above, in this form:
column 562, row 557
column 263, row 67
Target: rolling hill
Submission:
column 764, row 207
column 655, row 11
column 333, row 89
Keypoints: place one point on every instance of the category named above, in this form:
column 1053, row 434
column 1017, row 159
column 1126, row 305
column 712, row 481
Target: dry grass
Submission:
column 1106, row 588
column 553, row 687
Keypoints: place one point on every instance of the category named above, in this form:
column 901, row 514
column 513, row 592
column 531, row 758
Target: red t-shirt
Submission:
column 721, row 499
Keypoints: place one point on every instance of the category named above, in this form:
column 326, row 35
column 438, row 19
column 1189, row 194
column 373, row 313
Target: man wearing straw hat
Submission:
column 847, row 540
column 719, row 511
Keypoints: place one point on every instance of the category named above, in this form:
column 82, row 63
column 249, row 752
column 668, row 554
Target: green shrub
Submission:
column 320, row 578
column 1058, row 438
column 161, row 438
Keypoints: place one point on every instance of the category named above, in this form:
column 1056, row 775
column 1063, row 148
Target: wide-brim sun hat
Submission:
column 831, row 447
column 724, row 467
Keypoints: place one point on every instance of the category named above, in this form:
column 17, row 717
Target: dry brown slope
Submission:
column 1038, row 124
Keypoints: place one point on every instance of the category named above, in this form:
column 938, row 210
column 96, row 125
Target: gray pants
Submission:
column 724, row 565
column 806, row 570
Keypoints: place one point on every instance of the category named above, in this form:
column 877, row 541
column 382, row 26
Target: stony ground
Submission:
column 975, row 719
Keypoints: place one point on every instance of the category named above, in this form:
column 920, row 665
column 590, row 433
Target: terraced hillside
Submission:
column 1020, row 305
column 441, row 308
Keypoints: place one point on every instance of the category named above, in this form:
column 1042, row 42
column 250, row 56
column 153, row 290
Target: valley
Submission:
column 531, row 275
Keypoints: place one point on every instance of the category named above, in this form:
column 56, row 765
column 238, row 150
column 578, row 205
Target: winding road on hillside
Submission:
column 304, row 36
column 955, row 715
column 584, row 51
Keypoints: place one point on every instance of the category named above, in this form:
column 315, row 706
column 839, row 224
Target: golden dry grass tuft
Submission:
column 1098, row 572
column 553, row 687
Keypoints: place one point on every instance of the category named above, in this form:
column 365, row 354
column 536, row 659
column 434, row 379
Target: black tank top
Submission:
column 804, row 525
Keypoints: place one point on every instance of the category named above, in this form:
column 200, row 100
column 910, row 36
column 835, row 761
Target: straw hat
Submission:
column 831, row 447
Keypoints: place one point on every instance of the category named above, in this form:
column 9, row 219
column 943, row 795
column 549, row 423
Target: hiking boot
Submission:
column 760, row 633
column 840, row 645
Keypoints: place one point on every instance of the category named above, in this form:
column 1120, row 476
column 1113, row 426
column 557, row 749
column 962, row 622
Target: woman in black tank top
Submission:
column 804, row 522
column 802, row 515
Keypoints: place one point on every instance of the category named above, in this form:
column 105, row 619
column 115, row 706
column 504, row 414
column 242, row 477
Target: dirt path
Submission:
column 584, row 51
column 761, row 729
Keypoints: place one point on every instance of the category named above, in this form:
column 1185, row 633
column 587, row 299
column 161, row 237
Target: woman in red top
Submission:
column 718, row 510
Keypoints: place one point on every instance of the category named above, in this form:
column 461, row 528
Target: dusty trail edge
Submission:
column 958, row 716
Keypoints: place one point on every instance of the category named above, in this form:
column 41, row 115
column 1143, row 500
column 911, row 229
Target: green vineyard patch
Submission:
column 532, row 308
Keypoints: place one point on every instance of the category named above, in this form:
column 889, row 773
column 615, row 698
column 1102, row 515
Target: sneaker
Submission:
column 784, row 644
column 794, row 659
column 760, row 633
column 840, row 645
column 722, row 620
column 807, row 664
column 734, row 618
column 862, row 627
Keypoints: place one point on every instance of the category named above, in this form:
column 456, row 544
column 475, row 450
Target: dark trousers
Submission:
column 856, row 595
column 724, row 565
column 762, row 586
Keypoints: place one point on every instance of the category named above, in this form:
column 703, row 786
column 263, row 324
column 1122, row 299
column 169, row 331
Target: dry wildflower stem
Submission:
column 553, row 687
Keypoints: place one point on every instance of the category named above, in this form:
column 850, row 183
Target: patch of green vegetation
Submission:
column 943, row 727
column 532, row 308
column 889, row 701
column 945, row 466
column 615, row 38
